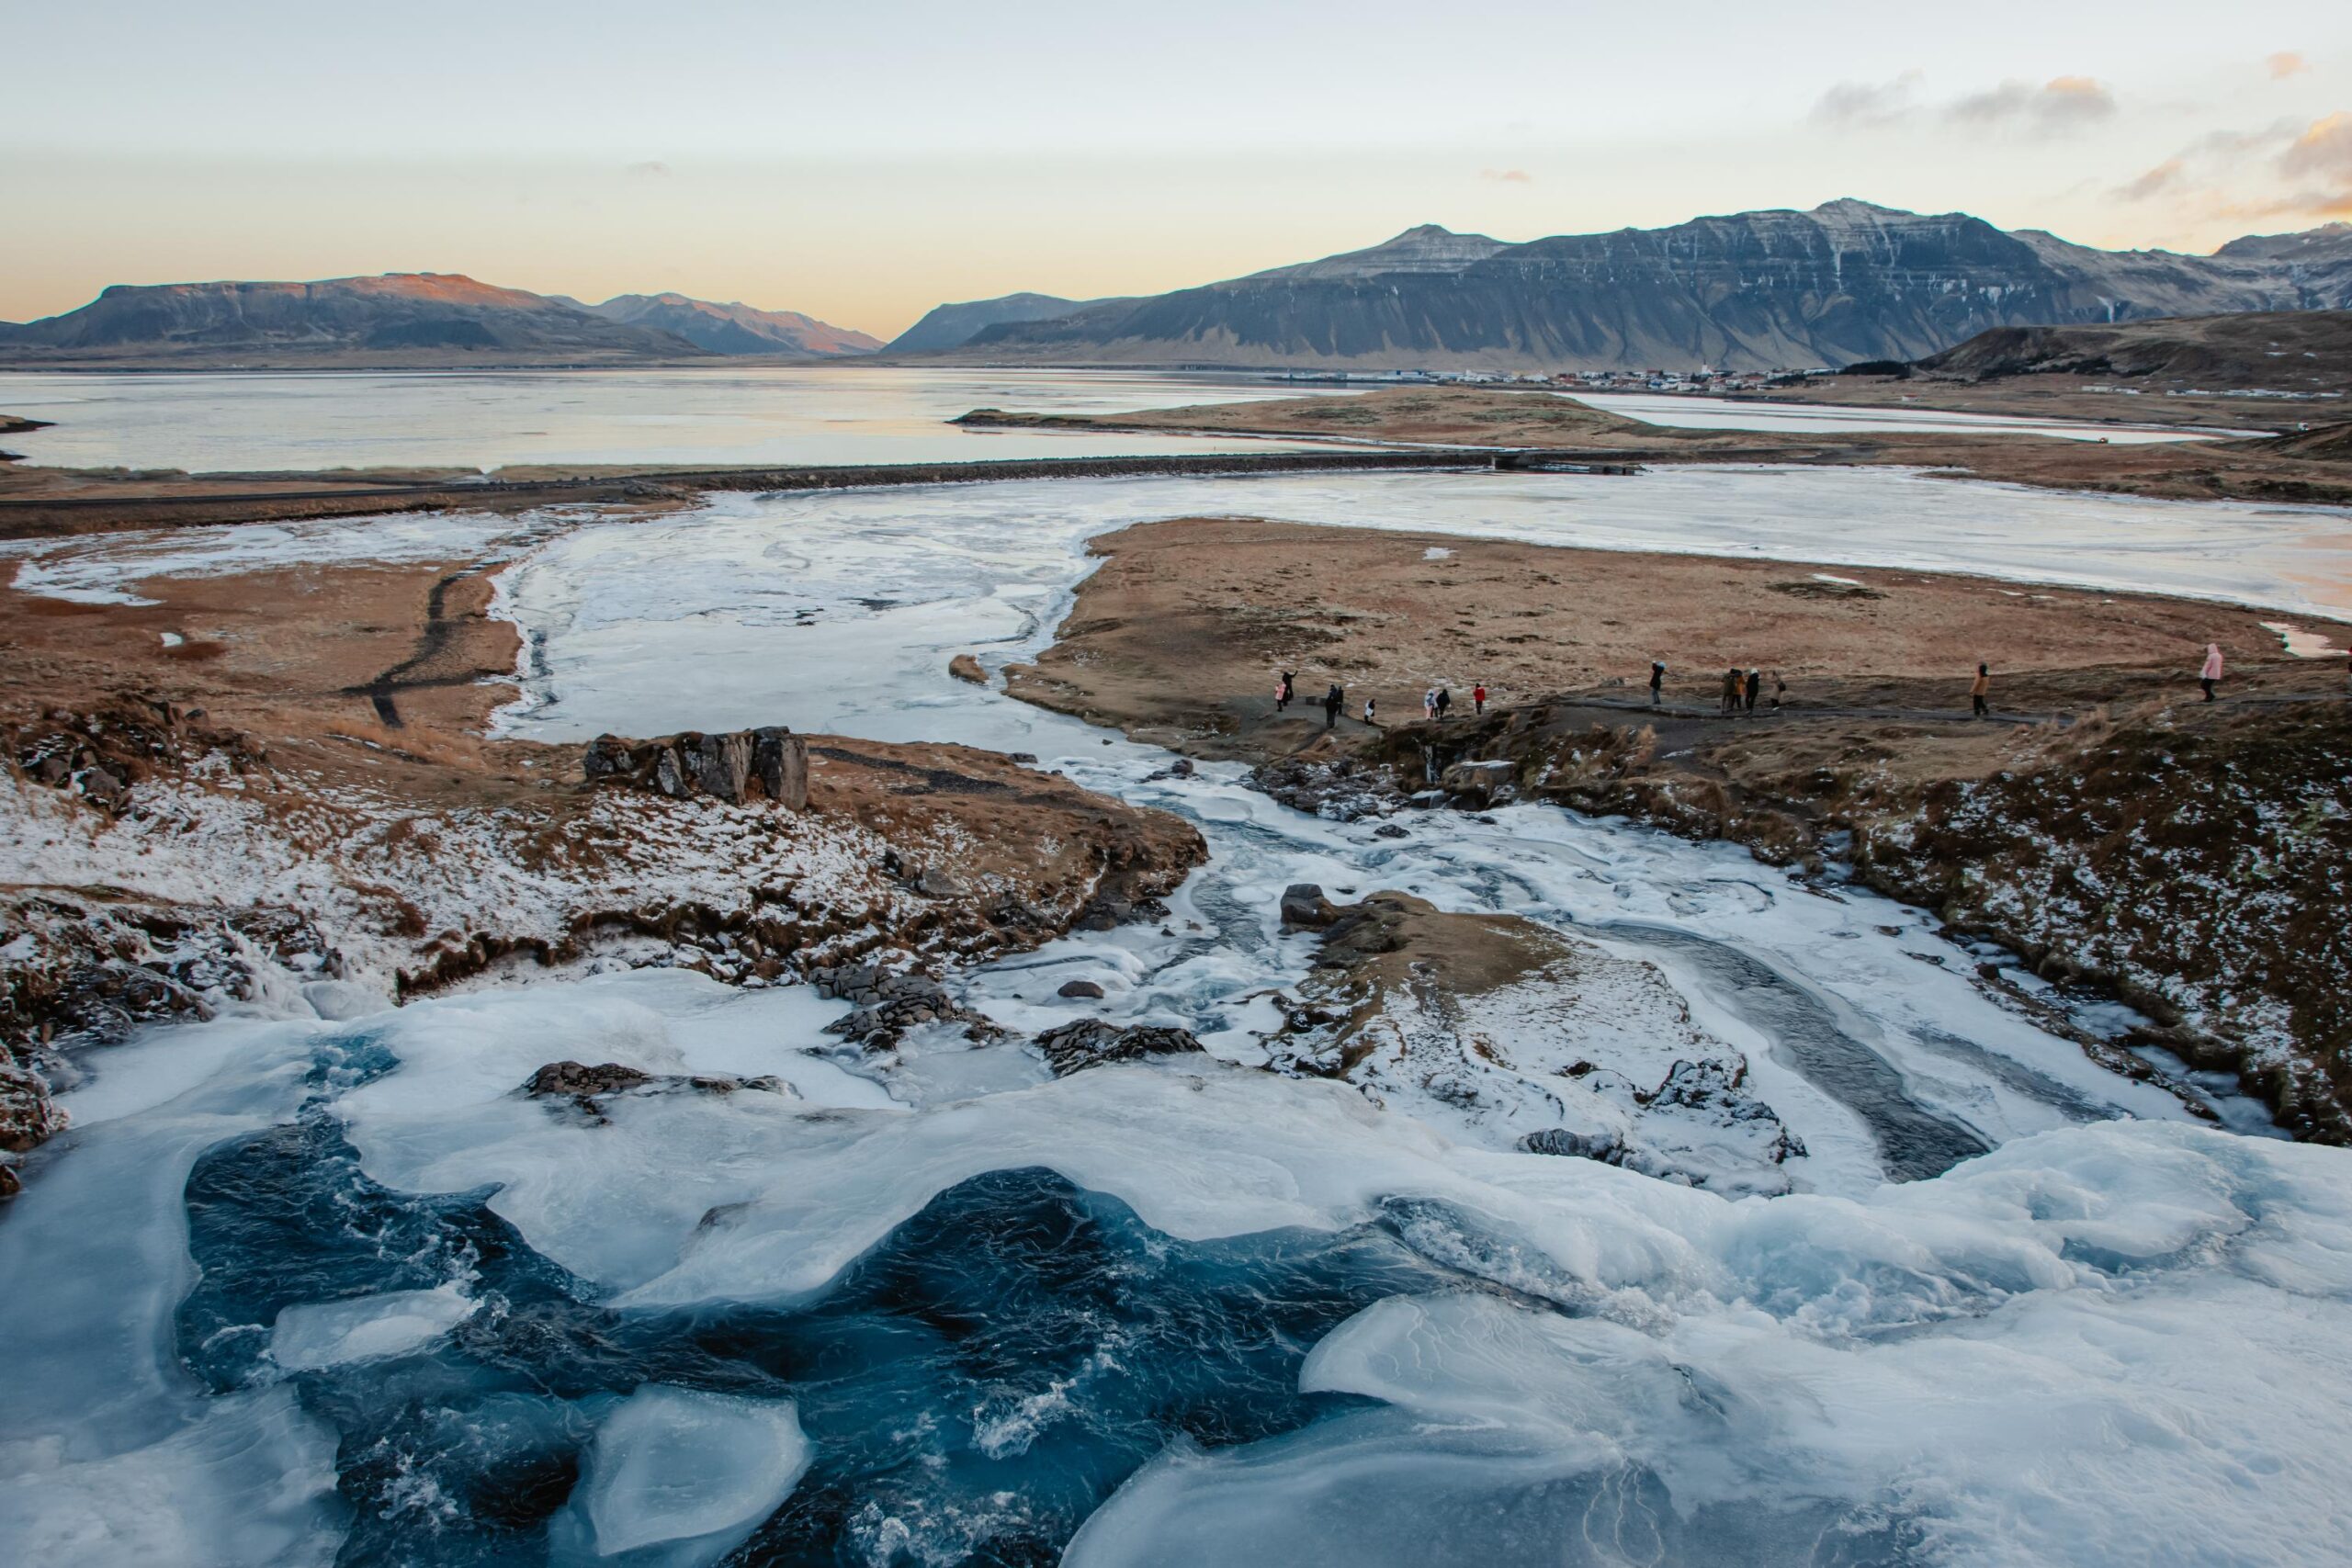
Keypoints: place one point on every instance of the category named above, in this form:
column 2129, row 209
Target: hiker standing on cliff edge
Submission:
column 1478, row 698
column 1284, row 691
column 1332, row 701
column 1731, row 692
column 1978, row 690
column 2211, row 673
column 1658, row 678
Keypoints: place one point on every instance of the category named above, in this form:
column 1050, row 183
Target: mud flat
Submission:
column 2107, row 824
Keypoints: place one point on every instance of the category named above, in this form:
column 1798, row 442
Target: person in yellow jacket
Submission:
column 1978, row 690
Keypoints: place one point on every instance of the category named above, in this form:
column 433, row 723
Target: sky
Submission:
column 863, row 164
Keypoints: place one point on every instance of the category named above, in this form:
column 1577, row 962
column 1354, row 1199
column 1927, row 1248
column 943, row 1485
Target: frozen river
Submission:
column 1694, row 413
column 297, row 1287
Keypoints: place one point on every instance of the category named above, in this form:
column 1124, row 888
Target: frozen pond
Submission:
column 1695, row 413
column 295, row 1289
column 692, row 417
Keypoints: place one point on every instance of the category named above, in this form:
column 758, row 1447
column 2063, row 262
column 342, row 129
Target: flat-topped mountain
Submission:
column 735, row 327
column 404, row 320
column 1846, row 282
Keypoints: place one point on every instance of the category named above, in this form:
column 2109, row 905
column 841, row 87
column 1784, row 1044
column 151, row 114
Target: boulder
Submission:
column 964, row 667
column 724, row 765
column 1304, row 907
column 1091, row 1042
column 781, row 760
column 1606, row 1147
column 1480, row 781
column 577, row 1078
column 721, row 763
column 1080, row 988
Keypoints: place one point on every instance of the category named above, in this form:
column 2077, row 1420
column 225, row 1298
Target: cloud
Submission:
column 651, row 169
column 2061, row 104
column 2165, row 177
column 2324, row 150
column 1866, row 103
column 1508, row 176
column 2285, row 63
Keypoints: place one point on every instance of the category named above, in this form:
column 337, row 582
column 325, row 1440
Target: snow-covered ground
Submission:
column 1256, row 1316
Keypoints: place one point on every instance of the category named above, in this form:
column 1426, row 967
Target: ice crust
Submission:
column 675, row 1465
column 368, row 1329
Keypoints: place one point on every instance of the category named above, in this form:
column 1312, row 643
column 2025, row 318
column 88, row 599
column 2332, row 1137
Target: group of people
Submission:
column 1334, row 698
column 1436, row 703
column 1740, row 692
column 1740, row 689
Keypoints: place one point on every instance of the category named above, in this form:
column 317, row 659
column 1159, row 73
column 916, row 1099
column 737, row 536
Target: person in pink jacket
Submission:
column 2213, row 671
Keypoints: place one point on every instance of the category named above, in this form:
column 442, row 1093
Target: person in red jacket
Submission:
column 1478, row 698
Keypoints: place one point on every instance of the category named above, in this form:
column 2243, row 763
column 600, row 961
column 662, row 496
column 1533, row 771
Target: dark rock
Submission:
column 781, row 760
column 1080, row 988
column 721, row 763
column 577, row 1078
column 1304, row 906
column 1392, row 830
column 1091, row 1042
column 1606, row 1147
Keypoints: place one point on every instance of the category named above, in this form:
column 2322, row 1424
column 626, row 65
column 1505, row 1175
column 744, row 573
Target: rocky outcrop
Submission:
column 586, row 1092
column 964, row 667
column 77, row 971
column 890, row 1004
column 1091, row 1041
column 101, row 754
column 1514, row 1035
column 727, row 765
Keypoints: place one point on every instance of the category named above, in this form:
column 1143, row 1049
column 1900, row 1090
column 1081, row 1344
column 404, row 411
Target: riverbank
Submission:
column 2262, row 468
column 2108, row 824
column 273, row 786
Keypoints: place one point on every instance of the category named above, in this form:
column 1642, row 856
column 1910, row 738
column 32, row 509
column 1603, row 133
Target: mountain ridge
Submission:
column 394, row 321
column 1777, row 288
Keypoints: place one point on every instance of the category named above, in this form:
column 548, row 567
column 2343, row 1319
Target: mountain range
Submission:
column 734, row 327
column 1846, row 282
column 404, row 321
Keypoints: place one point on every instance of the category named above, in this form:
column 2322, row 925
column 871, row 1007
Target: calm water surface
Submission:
column 694, row 416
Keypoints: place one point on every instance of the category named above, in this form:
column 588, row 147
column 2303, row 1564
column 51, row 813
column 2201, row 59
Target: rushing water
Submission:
column 688, row 417
column 295, row 1290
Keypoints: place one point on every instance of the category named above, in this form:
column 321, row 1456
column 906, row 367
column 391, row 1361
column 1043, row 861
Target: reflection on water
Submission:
column 698, row 416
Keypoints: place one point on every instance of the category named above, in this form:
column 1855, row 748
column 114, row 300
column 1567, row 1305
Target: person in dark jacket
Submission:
column 1755, row 688
column 1284, row 691
column 1658, row 680
column 1333, row 700
column 1444, row 702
